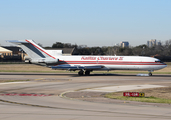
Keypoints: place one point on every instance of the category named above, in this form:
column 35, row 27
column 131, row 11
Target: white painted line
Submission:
column 11, row 83
column 122, row 88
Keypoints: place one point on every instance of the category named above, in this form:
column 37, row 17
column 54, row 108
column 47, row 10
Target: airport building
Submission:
column 153, row 42
column 5, row 52
column 124, row 44
column 11, row 53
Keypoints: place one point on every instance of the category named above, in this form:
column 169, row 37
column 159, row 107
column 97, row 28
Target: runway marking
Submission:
column 16, row 94
column 121, row 88
column 12, row 83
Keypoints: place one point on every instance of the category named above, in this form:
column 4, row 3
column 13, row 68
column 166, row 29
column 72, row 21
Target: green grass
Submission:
column 6, row 63
column 139, row 99
column 168, row 63
column 2, row 81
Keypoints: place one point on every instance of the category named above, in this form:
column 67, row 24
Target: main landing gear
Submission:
column 87, row 72
column 81, row 72
column 150, row 74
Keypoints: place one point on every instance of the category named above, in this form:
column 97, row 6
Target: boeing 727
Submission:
column 86, row 64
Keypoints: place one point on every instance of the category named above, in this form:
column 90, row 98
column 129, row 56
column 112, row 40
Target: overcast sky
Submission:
column 85, row 22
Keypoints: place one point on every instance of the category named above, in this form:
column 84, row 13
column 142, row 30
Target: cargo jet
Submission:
column 86, row 64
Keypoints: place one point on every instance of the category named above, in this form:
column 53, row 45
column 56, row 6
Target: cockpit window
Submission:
column 158, row 61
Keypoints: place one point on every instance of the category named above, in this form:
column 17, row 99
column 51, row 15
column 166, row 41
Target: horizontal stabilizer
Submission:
column 16, row 41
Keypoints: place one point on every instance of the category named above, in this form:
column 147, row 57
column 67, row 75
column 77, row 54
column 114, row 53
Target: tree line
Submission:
column 162, row 51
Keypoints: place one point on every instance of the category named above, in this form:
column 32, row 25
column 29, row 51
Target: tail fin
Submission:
column 34, row 51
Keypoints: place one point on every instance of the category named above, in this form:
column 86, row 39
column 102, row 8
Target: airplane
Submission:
column 84, row 63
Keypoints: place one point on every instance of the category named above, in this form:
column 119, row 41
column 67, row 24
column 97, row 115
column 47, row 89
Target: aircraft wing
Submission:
column 68, row 67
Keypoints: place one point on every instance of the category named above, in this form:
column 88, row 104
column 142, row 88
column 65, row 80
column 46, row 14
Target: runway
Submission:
column 56, row 107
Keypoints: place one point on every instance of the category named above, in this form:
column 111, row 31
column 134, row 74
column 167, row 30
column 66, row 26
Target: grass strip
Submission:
column 6, row 63
column 150, row 99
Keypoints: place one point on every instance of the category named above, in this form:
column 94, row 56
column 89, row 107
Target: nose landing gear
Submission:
column 150, row 74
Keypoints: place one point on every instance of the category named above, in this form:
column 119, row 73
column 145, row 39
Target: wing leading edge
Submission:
column 67, row 67
column 17, row 41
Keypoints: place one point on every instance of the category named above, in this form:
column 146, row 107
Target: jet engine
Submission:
column 44, row 60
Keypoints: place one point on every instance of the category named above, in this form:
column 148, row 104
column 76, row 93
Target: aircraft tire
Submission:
column 87, row 72
column 150, row 74
column 80, row 73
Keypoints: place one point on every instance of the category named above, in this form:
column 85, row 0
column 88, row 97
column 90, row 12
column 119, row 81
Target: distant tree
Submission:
column 96, row 51
column 84, row 51
column 139, row 50
column 47, row 47
column 63, row 45
column 58, row 45
column 74, row 46
column 167, row 48
column 127, row 51
column 111, row 51
column 104, row 50
column 40, row 44
column 67, row 45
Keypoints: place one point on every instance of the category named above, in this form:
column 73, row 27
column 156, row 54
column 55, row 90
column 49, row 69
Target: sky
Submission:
column 85, row 22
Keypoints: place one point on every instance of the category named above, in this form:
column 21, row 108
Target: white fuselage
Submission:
column 113, row 62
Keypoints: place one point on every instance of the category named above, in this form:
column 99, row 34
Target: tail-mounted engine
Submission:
column 44, row 60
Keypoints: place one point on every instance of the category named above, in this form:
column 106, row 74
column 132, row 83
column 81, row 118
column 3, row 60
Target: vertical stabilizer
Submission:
column 32, row 49
column 35, row 52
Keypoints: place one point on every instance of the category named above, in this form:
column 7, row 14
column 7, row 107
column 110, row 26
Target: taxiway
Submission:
column 55, row 106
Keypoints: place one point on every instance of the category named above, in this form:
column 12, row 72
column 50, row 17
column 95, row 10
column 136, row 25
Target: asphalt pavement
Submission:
column 54, row 106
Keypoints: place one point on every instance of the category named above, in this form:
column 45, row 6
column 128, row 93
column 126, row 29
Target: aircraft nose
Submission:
column 164, row 65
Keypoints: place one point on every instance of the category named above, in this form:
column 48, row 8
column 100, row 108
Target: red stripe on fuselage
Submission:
column 41, row 50
column 110, row 63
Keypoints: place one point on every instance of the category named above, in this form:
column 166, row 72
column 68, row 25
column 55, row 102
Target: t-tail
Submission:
column 37, row 54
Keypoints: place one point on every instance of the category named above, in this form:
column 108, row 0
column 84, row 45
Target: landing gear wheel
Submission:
column 81, row 72
column 150, row 74
column 87, row 72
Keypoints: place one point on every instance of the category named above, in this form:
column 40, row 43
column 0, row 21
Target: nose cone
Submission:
column 164, row 65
